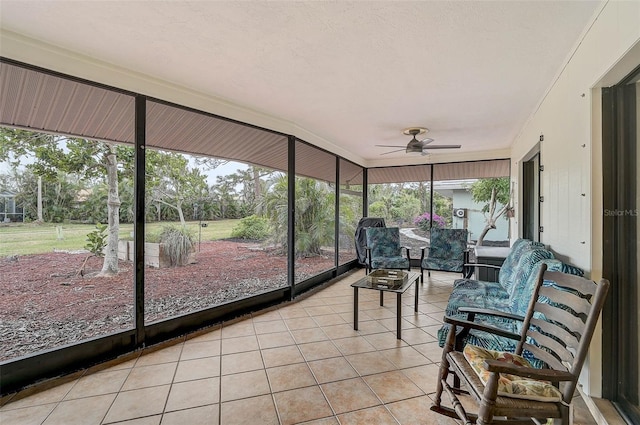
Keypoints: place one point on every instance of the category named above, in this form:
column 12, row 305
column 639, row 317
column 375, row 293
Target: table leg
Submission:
column 381, row 298
column 415, row 287
column 399, row 308
column 355, row 308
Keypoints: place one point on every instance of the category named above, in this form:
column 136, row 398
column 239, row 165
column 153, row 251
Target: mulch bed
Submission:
column 45, row 304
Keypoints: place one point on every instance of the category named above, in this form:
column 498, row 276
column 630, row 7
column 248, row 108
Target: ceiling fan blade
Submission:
column 390, row 146
column 442, row 147
column 387, row 153
column 426, row 141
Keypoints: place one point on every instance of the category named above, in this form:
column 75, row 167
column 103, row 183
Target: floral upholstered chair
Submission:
column 447, row 252
column 384, row 250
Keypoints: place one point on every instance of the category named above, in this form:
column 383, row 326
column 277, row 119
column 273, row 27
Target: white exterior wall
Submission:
column 475, row 218
column 569, row 117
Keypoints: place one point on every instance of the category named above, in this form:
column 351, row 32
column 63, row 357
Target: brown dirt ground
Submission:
column 44, row 303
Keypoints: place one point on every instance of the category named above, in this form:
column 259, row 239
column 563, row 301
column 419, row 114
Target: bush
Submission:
column 251, row 227
column 178, row 244
column 425, row 220
column 97, row 240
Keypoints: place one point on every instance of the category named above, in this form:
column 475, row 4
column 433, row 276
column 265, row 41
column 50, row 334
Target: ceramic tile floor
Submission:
column 300, row 363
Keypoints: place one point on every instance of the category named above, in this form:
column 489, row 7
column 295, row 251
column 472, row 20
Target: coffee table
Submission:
column 365, row 284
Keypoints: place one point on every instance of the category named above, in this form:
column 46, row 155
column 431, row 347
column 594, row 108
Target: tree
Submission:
column 275, row 208
column 496, row 193
column 91, row 160
column 314, row 214
column 57, row 194
column 172, row 182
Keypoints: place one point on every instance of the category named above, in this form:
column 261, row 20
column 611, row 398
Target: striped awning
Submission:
column 52, row 103
column 448, row 171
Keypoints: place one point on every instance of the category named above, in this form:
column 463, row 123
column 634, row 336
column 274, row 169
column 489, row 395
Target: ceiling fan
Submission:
column 417, row 146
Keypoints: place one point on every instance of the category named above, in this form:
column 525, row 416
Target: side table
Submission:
column 364, row 283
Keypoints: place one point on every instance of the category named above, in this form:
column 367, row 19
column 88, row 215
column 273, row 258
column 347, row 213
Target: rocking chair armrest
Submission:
column 473, row 311
column 528, row 372
column 466, row 324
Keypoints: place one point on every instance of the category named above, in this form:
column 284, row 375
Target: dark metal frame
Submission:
column 417, row 262
column 620, row 331
column 19, row 373
column 531, row 202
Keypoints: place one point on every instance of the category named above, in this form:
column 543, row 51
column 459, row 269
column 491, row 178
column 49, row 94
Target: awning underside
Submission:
column 40, row 101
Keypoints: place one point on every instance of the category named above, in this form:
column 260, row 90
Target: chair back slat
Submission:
column 569, row 340
column 578, row 304
column 557, row 329
column 560, row 322
column 546, row 357
column 561, row 317
column 555, row 347
column 571, row 281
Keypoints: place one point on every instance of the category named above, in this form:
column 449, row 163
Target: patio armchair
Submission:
column 361, row 236
column 384, row 251
column 557, row 330
column 448, row 252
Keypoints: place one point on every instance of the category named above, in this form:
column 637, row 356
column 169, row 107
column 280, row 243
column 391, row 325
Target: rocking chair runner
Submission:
column 557, row 329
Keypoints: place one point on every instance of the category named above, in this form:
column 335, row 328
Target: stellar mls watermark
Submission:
column 621, row 213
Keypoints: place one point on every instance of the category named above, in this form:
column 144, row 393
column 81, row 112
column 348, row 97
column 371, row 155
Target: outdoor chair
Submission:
column 361, row 236
column 384, row 250
column 447, row 252
column 557, row 330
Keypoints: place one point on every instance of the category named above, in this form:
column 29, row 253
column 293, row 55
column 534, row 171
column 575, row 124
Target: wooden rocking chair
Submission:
column 557, row 330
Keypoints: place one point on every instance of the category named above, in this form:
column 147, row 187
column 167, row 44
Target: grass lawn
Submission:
column 22, row 239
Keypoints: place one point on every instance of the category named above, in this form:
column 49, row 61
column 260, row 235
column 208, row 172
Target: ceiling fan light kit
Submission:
column 417, row 146
column 414, row 131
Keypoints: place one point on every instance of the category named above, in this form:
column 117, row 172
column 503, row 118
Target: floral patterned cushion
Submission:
column 518, row 303
column 445, row 264
column 510, row 385
column 510, row 264
column 390, row 263
column 448, row 244
column 527, row 265
column 474, row 293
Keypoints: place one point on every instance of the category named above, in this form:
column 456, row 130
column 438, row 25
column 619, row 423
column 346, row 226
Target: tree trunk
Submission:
column 489, row 226
column 40, row 218
column 256, row 186
column 491, row 221
column 110, row 265
column 180, row 213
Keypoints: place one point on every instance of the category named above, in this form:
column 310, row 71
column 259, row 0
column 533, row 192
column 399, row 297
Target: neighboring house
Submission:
column 471, row 217
column 8, row 210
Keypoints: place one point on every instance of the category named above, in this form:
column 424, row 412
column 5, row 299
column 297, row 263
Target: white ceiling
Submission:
column 352, row 74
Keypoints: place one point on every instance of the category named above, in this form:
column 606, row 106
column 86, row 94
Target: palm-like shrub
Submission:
column 178, row 244
column 314, row 214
